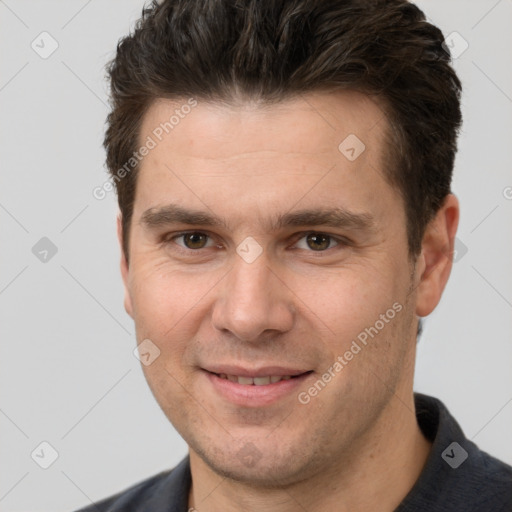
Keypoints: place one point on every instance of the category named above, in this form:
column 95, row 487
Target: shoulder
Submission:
column 458, row 476
column 491, row 481
column 167, row 491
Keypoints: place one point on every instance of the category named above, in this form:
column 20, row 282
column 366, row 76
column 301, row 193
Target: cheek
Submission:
column 169, row 304
column 362, row 314
column 347, row 300
column 167, row 307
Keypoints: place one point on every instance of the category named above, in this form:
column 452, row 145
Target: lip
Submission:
column 252, row 395
column 262, row 371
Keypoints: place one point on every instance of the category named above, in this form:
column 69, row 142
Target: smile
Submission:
column 256, row 381
column 254, row 391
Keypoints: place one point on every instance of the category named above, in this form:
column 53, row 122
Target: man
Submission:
column 283, row 172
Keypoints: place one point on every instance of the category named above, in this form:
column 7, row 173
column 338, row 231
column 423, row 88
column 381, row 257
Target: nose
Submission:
column 253, row 301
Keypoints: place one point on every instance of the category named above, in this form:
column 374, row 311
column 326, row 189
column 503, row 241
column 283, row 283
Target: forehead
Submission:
column 307, row 123
column 321, row 147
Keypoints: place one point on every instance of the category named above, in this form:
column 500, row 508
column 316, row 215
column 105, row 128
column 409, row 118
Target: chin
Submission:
column 260, row 466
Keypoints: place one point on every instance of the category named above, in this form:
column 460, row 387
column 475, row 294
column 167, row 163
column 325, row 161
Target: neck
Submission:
column 376, row 475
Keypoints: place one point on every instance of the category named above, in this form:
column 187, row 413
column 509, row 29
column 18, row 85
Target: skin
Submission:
column 356, row 445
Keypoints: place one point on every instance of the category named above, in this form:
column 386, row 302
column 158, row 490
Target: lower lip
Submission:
column 252, row 395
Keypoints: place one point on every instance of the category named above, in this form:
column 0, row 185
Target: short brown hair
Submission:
column 271, row 50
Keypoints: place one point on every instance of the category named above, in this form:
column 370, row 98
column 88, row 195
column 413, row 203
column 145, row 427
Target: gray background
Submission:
column 68, row 374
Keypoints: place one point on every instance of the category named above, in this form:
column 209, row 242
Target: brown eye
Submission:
column 318, row 241
column 194, row 240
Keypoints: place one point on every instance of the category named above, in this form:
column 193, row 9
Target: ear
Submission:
column 435, row 261
column 124, row 268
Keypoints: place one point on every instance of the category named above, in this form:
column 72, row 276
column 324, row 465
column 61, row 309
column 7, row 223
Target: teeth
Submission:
column 261, row 381
column 257, row 381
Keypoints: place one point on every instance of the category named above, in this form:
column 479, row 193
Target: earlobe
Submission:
column 436, row 256
column 124, row 269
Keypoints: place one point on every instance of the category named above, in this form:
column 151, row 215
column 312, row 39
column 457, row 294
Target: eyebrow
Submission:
column 333, row 217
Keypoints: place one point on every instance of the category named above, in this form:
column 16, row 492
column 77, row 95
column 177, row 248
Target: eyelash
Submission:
column 340, row 241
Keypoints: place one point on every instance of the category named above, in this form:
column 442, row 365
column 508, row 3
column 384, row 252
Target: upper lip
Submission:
column 262, row 371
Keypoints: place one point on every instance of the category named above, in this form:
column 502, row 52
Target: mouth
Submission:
column 258, row 381
column 260, row 388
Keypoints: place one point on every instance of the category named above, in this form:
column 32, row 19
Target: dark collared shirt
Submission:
column 457, row 477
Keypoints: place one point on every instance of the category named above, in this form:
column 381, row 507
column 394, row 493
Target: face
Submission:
column 269, row 266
